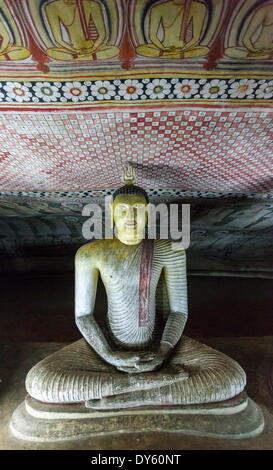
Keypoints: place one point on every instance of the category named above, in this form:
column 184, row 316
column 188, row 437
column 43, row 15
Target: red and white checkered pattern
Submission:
column 206, row 150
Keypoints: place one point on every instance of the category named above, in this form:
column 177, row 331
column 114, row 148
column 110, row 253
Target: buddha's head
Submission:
column 130, row 210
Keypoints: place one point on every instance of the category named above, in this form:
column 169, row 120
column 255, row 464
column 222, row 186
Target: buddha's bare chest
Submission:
column 125, row 310
column 70, row 17
column 128, row 272
column 172, row 17
column 113, row 275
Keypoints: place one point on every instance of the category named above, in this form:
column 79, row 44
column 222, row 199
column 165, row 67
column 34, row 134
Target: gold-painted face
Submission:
column 130, row 216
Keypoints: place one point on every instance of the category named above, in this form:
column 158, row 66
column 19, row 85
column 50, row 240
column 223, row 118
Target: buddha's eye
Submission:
column 123, row 210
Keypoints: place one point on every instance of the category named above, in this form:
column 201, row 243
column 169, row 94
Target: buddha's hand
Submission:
column 168, row 49
column 69, row 47
column 267, row 49
column 149, row 361
column 159, row 358
column 143, row 365
column 85, row 48
column 128, row 359
column 4, row 49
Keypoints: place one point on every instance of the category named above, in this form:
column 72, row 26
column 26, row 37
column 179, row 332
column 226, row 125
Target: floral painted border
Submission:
column 100, row 194
column 131, row 90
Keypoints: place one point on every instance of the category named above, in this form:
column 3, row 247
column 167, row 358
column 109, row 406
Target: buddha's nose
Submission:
column 131, row 214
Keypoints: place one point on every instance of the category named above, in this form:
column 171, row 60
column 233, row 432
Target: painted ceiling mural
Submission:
column 182, row 89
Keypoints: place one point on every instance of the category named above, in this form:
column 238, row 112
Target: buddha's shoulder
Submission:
column 95, row 248
column 53, row 6
column 166, row 6
column 168, row 246
column 91, row 4
column 266, row 10
column 199, row 5
column 162, row 8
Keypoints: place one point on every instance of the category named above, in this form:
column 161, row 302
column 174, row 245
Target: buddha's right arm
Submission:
column 155, row 19
column 5, row 37
column 86, row 279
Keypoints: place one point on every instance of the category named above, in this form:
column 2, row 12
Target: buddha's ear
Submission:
column 148, row 208
column 148, row 212
column 111, row 215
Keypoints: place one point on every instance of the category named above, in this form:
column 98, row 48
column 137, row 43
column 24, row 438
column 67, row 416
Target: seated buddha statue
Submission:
column 8, row 50
column 174, row 16
column 141, row 356
column 257, row 42
column 75, row 19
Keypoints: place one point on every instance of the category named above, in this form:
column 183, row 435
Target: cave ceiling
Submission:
column 180, row 89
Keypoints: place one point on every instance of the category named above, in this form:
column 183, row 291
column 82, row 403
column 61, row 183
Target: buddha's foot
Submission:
column 259, row 55
column 143, row 389
column 164, row 376
column 14, row 53
column 104, row 52
column 243, row 53
column 150, row 50
column 132, row 400
column 110, row 404
column 131, row 383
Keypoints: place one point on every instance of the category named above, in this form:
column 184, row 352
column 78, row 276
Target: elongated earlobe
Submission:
column 148, row 214
column 111, row 215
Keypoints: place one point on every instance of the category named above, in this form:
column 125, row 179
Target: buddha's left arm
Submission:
column 95, row 13
column 198, row 17
column 257, row 20
column 176, row 283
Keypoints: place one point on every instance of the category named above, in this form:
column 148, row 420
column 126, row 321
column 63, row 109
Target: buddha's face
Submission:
column 130, row 216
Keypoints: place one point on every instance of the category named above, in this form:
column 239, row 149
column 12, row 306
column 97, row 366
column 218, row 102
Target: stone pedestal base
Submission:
column 236, row 418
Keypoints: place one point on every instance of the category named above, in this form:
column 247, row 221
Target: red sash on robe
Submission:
column 145, row 281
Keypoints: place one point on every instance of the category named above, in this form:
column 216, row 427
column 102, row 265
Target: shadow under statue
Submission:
column 140, row 365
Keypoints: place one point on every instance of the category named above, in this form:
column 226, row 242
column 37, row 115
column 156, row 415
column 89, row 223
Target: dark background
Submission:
column 41, row 308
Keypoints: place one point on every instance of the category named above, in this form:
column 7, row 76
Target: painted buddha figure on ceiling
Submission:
column 174, row 17
column 257, row 41
column 141, row 356
column 78, row 30
column 8, row 49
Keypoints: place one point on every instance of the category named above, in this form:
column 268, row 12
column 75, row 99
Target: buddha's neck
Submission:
column 129, row 240
column 179, row 2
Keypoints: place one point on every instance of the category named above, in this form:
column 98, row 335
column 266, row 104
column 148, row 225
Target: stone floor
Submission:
column 255, row 354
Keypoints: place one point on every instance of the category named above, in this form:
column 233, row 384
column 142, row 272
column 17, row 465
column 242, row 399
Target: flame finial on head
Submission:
column 129, row 187
column 129, row 175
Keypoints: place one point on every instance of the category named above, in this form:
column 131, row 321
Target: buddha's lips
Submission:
column 130, row 224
